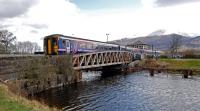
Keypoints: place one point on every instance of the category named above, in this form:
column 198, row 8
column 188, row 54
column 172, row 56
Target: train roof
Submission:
column 71, row 37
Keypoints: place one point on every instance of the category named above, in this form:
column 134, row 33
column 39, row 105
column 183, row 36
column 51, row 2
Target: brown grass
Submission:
column 21, row 102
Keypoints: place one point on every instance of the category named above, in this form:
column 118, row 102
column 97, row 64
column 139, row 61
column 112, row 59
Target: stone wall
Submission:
column 31, row 74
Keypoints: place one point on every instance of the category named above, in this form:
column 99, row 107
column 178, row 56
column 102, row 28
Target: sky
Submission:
column 31, row 20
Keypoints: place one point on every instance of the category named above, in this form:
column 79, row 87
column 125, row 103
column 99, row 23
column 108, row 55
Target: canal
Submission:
column 131, row 92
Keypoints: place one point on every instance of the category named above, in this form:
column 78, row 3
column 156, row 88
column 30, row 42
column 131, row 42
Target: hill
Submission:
column 162, row 42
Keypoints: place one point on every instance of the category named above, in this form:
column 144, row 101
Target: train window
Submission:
column 82, row 45
column 54, row 41
column 67, row 44
column 94, row 46
column 89, row 46
column 64, row 43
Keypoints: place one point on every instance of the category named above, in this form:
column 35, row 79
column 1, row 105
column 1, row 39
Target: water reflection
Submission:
column 137, row 91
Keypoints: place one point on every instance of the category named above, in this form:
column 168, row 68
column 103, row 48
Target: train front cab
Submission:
column 51, row 45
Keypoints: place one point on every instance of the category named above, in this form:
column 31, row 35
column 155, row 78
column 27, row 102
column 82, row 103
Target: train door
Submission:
column 54, row 46
column 47, row 46
column 49, row 49
column 64, row 46
column 51, row 46
column 74, row 46
column 67, row 46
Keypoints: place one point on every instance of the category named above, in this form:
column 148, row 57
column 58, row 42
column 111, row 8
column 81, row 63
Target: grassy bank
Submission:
column 12, row 102
column 182, row 63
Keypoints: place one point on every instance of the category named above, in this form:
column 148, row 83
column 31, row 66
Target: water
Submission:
column 132, row 92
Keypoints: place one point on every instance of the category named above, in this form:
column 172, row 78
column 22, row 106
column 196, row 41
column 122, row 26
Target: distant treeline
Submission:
column 187, row 54
column 9, row 44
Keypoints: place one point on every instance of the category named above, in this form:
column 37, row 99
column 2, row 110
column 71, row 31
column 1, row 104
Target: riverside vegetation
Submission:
column 182, row 63
column 172, row 65
column 12, row 102
column 32, row 75
column 37, row 74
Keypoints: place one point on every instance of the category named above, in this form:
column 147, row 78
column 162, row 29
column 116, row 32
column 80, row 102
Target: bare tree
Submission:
column 1, row 48
column 36, row 47
column 175, row 44
column 27, row 47
column 6, row 39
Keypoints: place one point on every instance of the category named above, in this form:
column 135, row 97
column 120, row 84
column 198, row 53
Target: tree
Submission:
column 191, row 53
column 36, row 47
column 6, row 39
column 1, row 48
column 26, row 47
column 175, row 44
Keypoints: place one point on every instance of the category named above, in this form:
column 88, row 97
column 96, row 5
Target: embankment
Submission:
column 26, row 75
column 181, row 63
column 182, row 66
column 11, row 102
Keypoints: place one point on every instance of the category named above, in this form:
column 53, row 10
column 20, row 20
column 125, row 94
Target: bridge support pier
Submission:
column 78, row 76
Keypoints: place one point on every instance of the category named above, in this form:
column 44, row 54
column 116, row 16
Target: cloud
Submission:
column 173, row 2
column 34, row 31
column 64, row 17
column 4, row 26
column 14, row 8
column 46, row 17
column 37, row 26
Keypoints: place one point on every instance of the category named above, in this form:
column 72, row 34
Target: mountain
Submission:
column 162, row 42
column 193, row 42
column 157, row 32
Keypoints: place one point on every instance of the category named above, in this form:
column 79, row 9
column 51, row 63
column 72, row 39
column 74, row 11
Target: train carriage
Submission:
column 59, row 45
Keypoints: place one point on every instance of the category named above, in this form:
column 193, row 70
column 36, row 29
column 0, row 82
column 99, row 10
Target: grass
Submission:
column 182, row 63
column 12, row 102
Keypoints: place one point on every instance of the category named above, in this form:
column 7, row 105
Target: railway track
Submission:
column 20, row 55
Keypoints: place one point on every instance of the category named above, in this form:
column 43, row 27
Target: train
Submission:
column 58, row 44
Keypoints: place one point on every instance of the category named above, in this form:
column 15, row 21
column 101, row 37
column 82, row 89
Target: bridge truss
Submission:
column 100, row 59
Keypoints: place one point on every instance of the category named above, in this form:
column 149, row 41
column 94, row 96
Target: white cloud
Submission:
column 173, row 2
column 64, row 17
column 14, row 8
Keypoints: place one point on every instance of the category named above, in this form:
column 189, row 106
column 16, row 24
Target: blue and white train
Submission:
column 58, row 44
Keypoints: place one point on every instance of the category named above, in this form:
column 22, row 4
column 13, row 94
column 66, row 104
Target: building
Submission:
column 140, row 45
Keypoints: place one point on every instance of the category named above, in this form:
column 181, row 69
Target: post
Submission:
column 152, row 50
column 185, row 73
column 78, row 76
column 107, row 36
column 151, row 71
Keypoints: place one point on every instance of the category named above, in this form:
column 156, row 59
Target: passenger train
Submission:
column 58, row 44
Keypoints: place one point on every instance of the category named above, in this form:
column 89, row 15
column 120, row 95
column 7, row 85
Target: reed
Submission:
column 11, row 102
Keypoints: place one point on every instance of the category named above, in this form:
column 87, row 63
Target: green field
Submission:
column 182, row 63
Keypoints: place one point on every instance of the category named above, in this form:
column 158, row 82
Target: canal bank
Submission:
column 12, row 102
column 186, row 67
column 27, row 75
column 181, row 63
column 24, row 76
